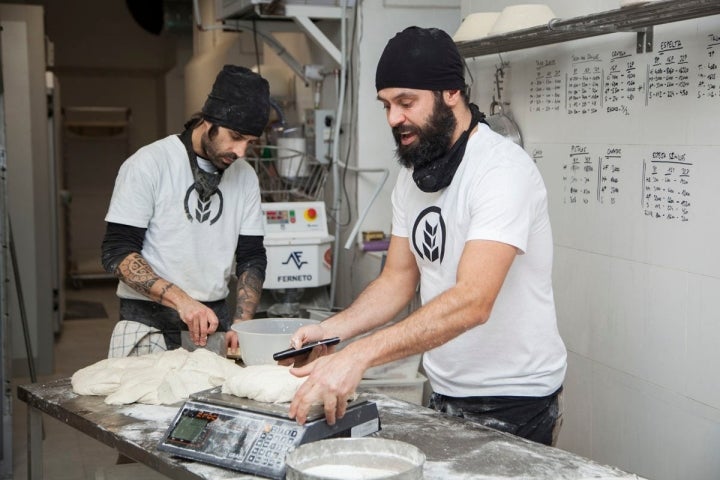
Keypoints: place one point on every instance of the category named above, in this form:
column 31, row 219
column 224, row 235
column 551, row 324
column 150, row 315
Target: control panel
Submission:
column 295, row 220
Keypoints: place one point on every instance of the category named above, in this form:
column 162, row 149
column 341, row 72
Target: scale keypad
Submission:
column 272, row 445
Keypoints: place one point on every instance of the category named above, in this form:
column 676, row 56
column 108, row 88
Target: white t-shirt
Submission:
column 496, row 194
column 188, row 243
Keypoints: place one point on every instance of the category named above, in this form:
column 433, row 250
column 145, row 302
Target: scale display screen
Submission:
column 189, row 429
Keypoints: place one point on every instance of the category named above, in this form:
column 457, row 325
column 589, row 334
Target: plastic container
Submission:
column 259, row 339
column 409, row 390
column 405, row 368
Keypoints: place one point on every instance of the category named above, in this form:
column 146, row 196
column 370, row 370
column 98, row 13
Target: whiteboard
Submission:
column 628, row 143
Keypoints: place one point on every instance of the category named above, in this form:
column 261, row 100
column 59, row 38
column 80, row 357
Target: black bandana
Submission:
column 438, row 174
column 206, row 183
column 239, row 100
column 420, row 58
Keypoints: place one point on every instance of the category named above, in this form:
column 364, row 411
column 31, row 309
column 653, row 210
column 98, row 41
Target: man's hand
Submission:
column 139, row 275
column 200, row 320
column 231, row 341
column 303, row 335
column 332, row 379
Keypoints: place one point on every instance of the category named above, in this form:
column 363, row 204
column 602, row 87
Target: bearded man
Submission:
column 470, row 224
column 181, row 209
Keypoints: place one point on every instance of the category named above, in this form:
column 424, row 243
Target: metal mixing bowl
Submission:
column 355, row 458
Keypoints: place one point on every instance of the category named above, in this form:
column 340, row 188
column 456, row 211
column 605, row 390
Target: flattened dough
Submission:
column 158, row 378
column 264, row 383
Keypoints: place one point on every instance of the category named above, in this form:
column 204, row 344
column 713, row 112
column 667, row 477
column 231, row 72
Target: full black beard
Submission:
column 433, row 139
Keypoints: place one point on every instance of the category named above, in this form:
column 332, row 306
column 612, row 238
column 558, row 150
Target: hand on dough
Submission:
column 331, row 380
column 263, row 383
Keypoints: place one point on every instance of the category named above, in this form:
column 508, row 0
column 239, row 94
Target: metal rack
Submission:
column 265, row 18
column 638, row 18
column 289, row 176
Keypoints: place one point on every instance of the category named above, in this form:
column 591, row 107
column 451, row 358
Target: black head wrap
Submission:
column 420, row 58
column 239, row 100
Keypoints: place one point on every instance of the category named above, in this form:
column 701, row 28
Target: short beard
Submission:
column 208, row 146
column 433, row 139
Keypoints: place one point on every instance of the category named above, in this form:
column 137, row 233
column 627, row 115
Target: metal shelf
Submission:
column 638, row 18
column 242, row 14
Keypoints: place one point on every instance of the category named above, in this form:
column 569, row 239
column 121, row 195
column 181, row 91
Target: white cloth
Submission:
column 496, row 194
column 188, row 243
column 134, row 339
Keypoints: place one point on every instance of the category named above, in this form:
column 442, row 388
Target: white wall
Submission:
column 379, row 22
column 635, row 296
column 28, row 180
column 373, row 146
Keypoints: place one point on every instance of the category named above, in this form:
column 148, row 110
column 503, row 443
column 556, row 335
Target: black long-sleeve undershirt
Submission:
column 121, row 240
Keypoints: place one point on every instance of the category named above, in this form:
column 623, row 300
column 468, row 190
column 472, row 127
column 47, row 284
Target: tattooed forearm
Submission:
column 248, row 294
column 164, row 290
column 137, row 273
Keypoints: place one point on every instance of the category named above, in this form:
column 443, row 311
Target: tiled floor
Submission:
column 68, row 453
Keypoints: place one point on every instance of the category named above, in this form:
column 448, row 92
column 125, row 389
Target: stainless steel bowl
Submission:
column 355, row 458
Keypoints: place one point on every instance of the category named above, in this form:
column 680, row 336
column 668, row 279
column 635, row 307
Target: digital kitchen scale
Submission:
column 254, row 437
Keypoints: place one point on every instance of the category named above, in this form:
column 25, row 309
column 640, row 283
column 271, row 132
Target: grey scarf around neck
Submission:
column 206, row 183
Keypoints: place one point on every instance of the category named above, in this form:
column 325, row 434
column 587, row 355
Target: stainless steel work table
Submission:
column 454, row 448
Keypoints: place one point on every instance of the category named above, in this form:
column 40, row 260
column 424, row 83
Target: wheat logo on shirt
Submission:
column 197, row 209
column 428, row 235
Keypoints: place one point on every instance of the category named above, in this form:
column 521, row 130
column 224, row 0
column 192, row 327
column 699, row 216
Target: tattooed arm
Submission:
column 251, row 262
column 139, row 275
column 248, row 295
column 120, row 256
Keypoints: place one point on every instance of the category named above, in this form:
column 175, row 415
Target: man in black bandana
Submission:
column 471, row 226
column 183, row 208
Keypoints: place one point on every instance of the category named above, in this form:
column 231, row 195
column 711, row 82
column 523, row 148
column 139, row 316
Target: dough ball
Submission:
column 264, row 383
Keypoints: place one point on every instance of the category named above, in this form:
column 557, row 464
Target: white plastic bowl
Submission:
column 519, row 17
column 260, row 338
column 475, row 25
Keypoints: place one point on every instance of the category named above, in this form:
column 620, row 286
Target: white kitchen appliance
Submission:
column 299, row 251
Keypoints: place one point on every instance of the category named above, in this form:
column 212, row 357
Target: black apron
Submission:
column 167, row 319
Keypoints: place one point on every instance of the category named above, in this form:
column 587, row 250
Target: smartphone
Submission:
column 294, row 352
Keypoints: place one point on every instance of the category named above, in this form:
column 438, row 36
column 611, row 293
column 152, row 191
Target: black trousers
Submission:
column 534, row 418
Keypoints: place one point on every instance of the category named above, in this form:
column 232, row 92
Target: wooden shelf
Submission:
column 638, row 18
